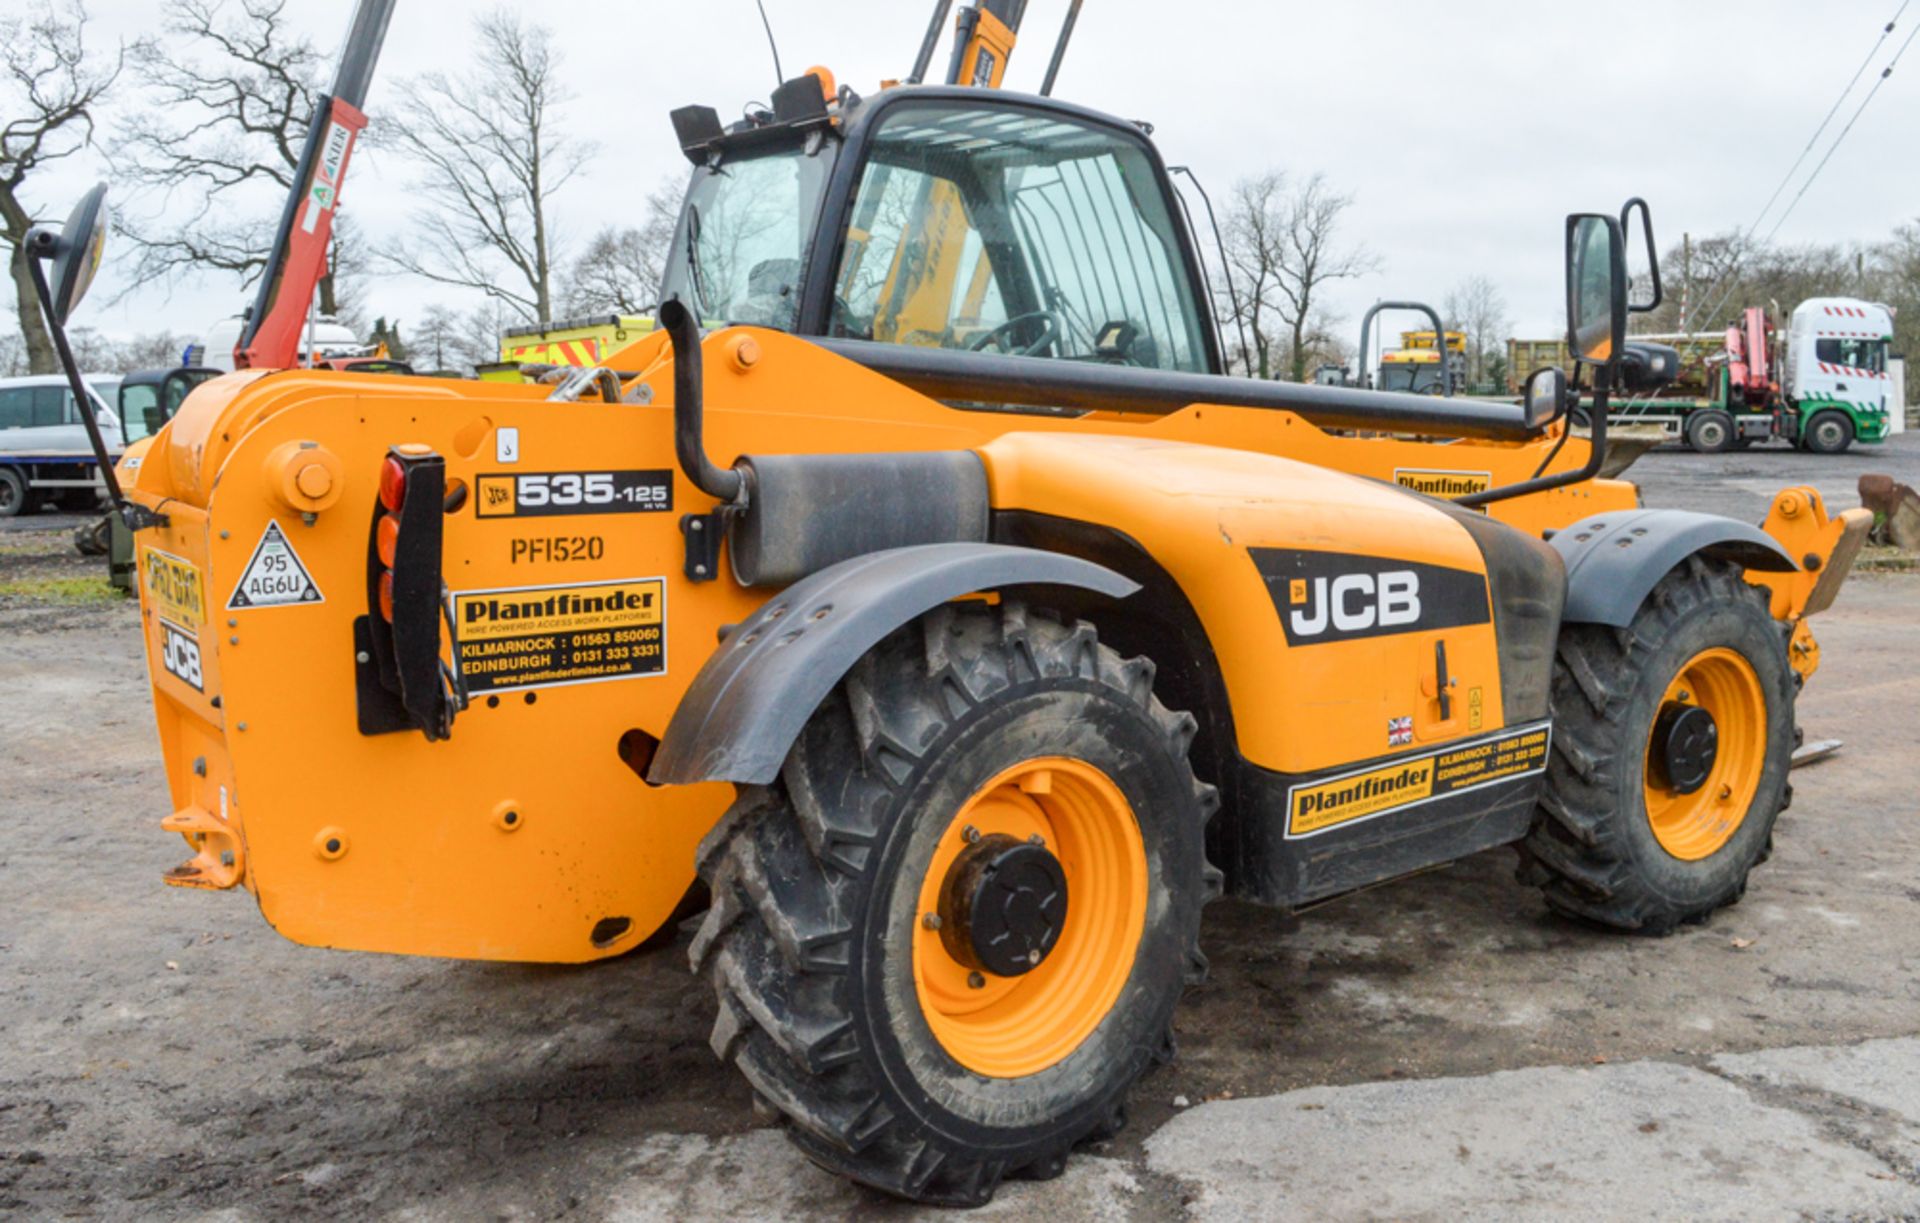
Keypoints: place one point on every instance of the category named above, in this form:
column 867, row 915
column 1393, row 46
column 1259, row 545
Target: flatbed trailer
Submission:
column 29, row 478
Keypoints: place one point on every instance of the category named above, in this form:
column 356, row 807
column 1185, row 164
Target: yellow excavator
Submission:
column 923, row 590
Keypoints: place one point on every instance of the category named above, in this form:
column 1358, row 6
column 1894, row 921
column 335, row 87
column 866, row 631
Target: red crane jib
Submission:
column 276, row 344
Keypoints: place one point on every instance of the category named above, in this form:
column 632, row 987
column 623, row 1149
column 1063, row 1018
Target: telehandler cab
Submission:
column 975, row 675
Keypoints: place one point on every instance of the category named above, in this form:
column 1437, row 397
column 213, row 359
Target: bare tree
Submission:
column 48, row 81
column 230, row 96
column 1477, row 308
column 620, row 269
column 493, row 157
column 1256, row 215
column 437, row 342
column 1309, row 258
column 1282, row 241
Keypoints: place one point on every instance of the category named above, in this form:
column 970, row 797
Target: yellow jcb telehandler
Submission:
column 1002, row 636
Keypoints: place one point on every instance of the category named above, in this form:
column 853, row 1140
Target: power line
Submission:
column 1831, row 112
column 1742, row 246
column 1884, row 74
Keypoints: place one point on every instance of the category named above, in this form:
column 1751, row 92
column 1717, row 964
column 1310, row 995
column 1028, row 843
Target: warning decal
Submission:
column 543, row 636
column 1315, row 807
column 274, row 577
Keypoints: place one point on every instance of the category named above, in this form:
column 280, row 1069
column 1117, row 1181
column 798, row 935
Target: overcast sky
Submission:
column 1465, row 131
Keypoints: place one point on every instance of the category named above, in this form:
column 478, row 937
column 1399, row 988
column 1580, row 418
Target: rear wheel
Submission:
column 951, row 936
column 13, row 493
column 1671, row 744
column 1710, row 431
column 1829, row 432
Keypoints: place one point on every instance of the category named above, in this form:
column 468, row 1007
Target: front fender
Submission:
column 1615, row 560
column 748, row 704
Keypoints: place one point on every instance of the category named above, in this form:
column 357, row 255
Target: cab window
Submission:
column 1869, row 355
column 23, row 407
column 1004, row 230
column 139, row 409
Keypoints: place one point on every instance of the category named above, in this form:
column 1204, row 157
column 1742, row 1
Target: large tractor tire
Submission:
column 952, row 935
column 1671, row 744
column 1829, row 432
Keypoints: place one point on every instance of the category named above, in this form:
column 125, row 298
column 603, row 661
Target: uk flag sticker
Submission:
column 1399, row 732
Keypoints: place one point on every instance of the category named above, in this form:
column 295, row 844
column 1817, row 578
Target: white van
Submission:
column 327, row 336
column 44, row 451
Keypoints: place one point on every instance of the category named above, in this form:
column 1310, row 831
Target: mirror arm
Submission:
column 135, row 516
column 1597, row 444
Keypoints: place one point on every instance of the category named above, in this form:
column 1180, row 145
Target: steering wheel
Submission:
column 998, row 336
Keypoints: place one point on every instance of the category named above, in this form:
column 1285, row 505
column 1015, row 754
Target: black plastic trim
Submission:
column 1528, row 581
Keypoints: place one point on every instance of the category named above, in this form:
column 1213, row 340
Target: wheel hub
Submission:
column 1686, row 740
column 1002, row 905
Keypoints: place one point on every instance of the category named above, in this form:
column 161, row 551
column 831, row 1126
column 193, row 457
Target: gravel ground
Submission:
column 1741, row 483
column 168, row 1056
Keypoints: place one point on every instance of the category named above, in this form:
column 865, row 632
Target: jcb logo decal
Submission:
column 1355, row 602
column 1333, row 596
column 180, row 655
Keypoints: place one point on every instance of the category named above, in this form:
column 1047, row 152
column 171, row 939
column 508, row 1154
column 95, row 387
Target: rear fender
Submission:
column 755, row 693
column 1615, row 560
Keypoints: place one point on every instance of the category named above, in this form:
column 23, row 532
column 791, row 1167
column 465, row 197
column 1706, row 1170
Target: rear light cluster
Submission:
column 394, row 471
column 405, row 681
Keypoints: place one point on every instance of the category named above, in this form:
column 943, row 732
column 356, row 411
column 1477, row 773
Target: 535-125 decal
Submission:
column 547, row 494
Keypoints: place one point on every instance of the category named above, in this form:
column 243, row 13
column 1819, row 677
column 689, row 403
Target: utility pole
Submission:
column 1686, row 279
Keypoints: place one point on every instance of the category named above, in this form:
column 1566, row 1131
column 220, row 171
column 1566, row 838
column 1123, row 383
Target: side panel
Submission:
column 1327, row 600
column 1327, row 608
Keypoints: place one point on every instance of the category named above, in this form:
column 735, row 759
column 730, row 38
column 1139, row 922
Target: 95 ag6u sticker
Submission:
column 549, row 494
column 546, row 636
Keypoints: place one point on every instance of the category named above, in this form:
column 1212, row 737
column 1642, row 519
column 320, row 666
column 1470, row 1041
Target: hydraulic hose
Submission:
column 689, row 412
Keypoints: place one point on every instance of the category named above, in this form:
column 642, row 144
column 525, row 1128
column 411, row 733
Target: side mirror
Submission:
column 1546, row 397
column 76, row 250
column 1643, row 296
column 1596, row 288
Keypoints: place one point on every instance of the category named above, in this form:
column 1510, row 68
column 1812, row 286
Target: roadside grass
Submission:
column 1884, row 558
column 91, row 590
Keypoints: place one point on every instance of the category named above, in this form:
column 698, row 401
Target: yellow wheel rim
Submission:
column 1007, row 1027
column 1694, row 825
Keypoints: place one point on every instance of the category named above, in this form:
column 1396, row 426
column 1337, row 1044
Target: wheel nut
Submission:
column 1033, row 957
column 970, row 834
column 976, row 981
column 1684, row 695
column 1036, row 839
column 1726, row 792
column 931, row 921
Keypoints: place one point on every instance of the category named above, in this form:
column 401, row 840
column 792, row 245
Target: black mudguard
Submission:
column 1615, row 560
column 747, row 705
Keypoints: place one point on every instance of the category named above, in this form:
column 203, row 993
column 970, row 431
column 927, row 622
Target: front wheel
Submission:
column 951, row 936
column 1829, row 432
column 1671, row 744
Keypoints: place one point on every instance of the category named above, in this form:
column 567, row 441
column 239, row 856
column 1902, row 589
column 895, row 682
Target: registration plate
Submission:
column 174, row 588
